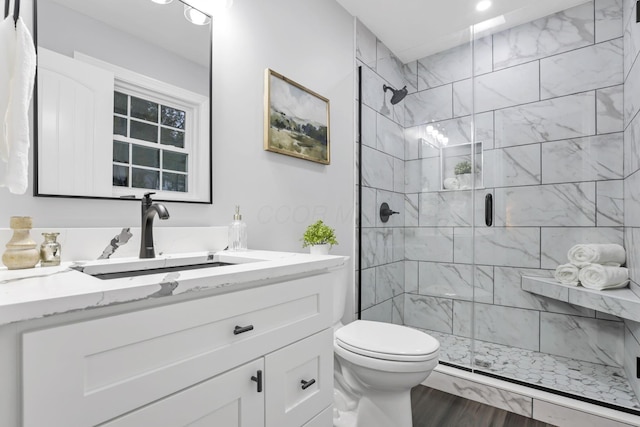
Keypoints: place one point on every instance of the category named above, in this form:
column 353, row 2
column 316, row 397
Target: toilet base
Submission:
column 377, row 409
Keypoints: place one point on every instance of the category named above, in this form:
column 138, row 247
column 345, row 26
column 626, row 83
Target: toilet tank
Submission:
column 340, row 283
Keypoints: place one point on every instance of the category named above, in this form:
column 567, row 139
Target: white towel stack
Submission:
column 594, row 266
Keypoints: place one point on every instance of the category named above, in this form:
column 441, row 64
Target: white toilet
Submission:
column 376, row 365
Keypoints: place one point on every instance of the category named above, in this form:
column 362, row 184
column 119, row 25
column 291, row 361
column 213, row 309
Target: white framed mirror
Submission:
column 123, row 100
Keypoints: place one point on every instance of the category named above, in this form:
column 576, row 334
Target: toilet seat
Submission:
column 387, row 341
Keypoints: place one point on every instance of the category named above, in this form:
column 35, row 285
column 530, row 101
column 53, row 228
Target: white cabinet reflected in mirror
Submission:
column 123, row 100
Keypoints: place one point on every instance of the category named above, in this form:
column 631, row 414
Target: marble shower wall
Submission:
column 551, row 115
column 631, row 193
column 549, row 105
column 383, row 179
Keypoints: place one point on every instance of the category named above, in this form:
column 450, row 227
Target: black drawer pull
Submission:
column 488, row 209
column 307, row 384
column 240, row 329
column 258, row 379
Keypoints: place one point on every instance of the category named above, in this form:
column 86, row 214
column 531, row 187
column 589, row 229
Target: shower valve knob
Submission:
column 386, row 212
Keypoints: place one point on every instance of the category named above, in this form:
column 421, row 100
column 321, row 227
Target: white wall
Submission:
column 310, row 42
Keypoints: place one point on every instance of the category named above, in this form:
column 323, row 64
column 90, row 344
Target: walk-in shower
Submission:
column 532, row 118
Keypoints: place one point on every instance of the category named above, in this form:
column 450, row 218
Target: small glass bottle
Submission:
column 237, row 233
column 50, row 250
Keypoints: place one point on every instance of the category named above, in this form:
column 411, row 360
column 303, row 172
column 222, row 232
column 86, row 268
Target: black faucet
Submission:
column 146, row 237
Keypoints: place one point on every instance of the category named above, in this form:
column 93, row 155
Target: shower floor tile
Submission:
column 591, row 380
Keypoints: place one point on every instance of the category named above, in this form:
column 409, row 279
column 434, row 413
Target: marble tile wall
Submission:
column 550, row 113
column 631, row 192
column 383, row 178
column 561, row 158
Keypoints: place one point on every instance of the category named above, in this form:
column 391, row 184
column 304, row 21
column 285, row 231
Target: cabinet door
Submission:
column 299, row 380
column 229, row 400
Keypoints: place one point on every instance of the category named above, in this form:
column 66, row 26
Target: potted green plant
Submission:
column 319, row 237
column 463, row 174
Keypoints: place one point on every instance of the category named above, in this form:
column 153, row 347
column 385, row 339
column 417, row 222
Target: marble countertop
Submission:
column 619, row 302
column 39, row 292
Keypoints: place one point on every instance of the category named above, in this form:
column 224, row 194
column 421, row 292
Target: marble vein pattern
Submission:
column 609, row 109
column 632, row 245
column 368, row 135
column 446, row 209
column 411, row 210
column 422, row 175
column 411, row 277
column 632, row 93
column 512, row 166
column 559, row 118
column 631, row 350
column 428, row 105
column 583, row 159
column 377, row 169
column 389, row 67
column 365, row 45
column 500, row 89
column 410, row 72
column 586, row 379
column 583, row 69
column 379, row 312
column 522, row 329
column 428, row 312
column 398, row 177
column 608, row 15
column 591, row 340
column 397, row 310
column 511, row 246
column 429, row 244
column 121, row 239
column 546, row 205
column 556, row 241
column 377, row 246
column 632, row 200
column 610, row 203
column 456, row 281
column 632, row 147
column 369, row 208
column 631, row 36
column 560, row 32
column 494, row 396
column 389, row 281
column 367, row 287
column 395, row 202
column 508, row 292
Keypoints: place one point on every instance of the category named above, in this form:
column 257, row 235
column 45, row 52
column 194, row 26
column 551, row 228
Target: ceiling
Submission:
column 413, row 29
column 149, row 21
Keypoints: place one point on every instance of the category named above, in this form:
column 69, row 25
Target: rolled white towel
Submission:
column 599, row 277
column 451, row 184
column 567, row 274
column 605, row 254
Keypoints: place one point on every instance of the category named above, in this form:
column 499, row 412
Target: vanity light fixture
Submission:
column 434, row 138
column 483, row 5
column 195, row 16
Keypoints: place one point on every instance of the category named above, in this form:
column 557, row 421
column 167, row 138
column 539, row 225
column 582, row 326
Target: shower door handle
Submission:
column 488, row 209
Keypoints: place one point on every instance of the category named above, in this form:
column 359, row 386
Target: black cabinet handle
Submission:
column 307, row 384
column 488, row 209
column 258, row 379
column 241, row 329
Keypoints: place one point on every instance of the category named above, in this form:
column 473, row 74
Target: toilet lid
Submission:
column 387, row 341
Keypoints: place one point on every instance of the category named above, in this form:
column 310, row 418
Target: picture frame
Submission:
column 296, row 121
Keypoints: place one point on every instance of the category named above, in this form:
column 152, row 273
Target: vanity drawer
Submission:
column 90, row 372
column 299, row 381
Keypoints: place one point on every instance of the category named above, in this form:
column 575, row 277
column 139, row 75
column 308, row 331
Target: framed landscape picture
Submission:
column 296, row 120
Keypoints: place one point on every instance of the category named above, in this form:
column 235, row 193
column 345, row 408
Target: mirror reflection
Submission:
column 123, row 99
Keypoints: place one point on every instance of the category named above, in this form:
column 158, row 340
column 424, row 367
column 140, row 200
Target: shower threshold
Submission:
column 591, row 381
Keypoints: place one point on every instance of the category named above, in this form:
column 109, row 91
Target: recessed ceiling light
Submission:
column 162, row 1
column 195, row 16
column 483, row 5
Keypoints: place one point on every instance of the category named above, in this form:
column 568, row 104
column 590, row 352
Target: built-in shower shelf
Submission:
column 618, row 302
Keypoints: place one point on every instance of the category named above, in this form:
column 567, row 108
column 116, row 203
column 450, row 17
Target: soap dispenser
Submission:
column 237, row 233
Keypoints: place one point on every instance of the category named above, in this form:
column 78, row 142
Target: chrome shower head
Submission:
column 398, row 94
